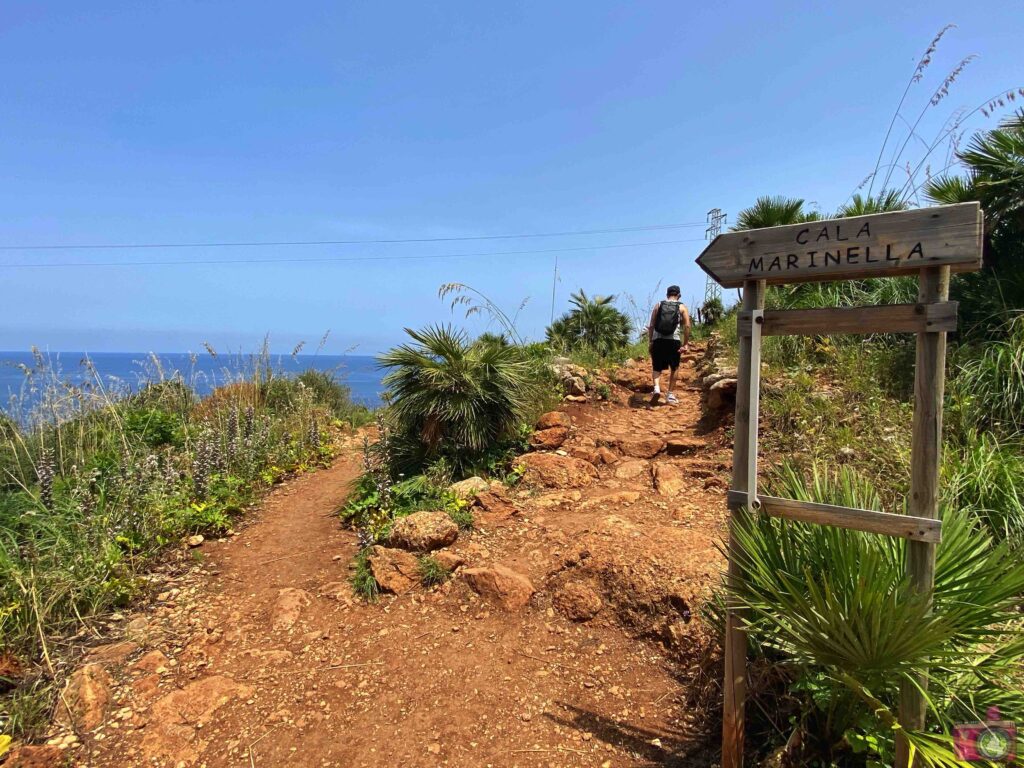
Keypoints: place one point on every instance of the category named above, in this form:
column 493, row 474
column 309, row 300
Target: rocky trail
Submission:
column 570, row 634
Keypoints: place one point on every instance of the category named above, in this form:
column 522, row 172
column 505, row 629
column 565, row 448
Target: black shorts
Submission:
column 665, row 354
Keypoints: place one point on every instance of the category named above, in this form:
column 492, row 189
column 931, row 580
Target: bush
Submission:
column 432, row 572
column 592, row 323
column 363, row 582
column 452, row 399
column 836, row 610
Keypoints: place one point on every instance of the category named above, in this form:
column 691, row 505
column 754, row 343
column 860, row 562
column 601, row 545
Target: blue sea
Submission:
column 122, row 373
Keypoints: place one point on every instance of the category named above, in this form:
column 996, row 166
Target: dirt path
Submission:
column 259, row 655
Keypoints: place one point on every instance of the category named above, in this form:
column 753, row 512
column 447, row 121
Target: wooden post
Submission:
column 744, row 478
column 926, row 452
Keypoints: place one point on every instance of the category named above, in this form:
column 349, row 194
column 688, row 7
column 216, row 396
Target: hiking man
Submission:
column 663, row 335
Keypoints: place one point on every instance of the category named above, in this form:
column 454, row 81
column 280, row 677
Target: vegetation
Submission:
column 833, row 622
column 591, row 323
column 94, row 486
column 432, row 572
column 455, row 400
column 459, row 407
column 834, row 609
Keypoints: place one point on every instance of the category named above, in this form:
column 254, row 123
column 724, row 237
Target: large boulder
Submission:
column 468, row 488
column 424, row 531
column 635, row 377
column 495, row 501
column 554, row 471
column 394, row 569
column 643, row 448
column 548, row 439
column 87, row 697
column 500, row 585
column 554, row 419
column 722, row 396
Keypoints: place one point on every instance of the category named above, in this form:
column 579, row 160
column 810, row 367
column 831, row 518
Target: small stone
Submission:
column 548, row 439
column 644, row 448
column 578, row 602
column 195, row 541
column 88, row 697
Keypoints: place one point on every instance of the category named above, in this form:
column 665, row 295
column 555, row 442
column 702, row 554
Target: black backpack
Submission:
column 668, row 318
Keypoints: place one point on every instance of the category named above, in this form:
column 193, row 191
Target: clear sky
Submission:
column 165, row 122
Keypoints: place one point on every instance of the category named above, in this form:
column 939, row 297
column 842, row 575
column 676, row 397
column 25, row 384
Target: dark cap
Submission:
column 673, row 290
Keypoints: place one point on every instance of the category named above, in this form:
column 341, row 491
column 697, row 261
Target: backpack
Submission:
column 668, row 318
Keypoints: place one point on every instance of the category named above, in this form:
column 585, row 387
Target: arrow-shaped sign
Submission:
column 876, row 245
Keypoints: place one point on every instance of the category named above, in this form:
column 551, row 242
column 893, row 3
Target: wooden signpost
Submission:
column 929, row 242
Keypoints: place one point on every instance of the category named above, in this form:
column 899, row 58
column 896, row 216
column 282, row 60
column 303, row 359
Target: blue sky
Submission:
column 164, row 122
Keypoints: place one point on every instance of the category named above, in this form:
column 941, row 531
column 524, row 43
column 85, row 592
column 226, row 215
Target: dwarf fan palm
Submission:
column 593, row 323
column 769, row 211
column 837, row 607
column 451, row 397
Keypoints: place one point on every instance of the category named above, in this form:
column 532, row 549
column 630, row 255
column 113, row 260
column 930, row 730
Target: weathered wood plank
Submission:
column 893, row 318
column 902, row 526
column 744, row 476
column 925, row 459
column 876, row 245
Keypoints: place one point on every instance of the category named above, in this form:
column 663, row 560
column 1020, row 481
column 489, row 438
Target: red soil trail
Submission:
column 260, row 656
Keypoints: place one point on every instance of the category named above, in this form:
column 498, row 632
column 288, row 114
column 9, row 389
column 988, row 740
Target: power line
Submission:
column 36, row 265
column 290, row 243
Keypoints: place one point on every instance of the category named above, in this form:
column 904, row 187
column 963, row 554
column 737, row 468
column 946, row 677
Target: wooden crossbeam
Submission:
column 902, row 526
column 891, row 318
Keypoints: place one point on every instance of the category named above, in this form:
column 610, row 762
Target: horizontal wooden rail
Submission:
column 903, row 526
column 890, row 318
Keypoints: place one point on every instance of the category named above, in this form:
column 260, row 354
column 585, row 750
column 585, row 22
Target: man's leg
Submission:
column 672, row 379
column 657, row 381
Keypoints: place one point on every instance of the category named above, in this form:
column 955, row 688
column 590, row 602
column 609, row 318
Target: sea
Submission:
column 22, row 374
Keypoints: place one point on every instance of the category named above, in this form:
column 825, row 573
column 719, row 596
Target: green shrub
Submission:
column 452, row 399
column 462, row 515
column 835, row 609
column 363, row 582
column 432, row 572
column 153, row 426
column 592, row 323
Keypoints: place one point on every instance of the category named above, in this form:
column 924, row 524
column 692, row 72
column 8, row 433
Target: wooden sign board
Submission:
column 929, row 242
column 876, row 245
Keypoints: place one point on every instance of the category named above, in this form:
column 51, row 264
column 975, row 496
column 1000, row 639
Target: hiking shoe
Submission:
column 672, row 399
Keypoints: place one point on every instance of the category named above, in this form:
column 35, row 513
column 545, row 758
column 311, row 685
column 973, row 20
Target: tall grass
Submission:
column 96, row 482
column 988, row 388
